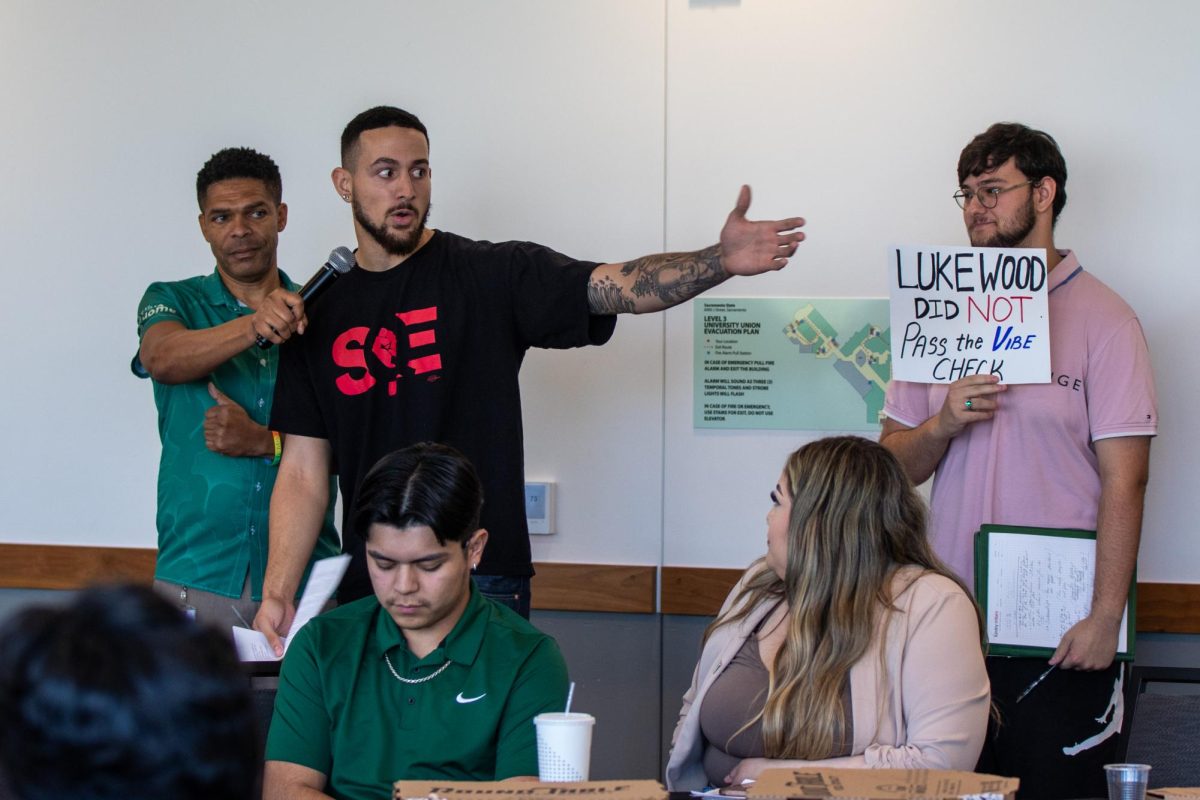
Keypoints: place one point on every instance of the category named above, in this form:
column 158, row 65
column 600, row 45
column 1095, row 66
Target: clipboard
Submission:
column 1033, row 584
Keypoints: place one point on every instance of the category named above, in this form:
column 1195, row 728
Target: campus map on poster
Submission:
column 790, row 363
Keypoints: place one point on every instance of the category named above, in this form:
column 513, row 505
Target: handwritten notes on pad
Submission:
column 1034, row 584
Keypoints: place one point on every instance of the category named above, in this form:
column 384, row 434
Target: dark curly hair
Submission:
column 239, row 162
column 118, row 696
column 1036, row 153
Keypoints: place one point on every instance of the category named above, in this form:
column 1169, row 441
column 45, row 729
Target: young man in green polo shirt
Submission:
column 213, row 388
column 427, row 679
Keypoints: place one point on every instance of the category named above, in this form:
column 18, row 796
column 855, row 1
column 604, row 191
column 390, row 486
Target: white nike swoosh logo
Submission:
column 462, row 699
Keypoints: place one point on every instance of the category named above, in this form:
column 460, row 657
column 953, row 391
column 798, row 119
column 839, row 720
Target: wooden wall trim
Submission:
column 560, row 587
column 594, row 587
column 699, row 591
column 41, row 566
column 1168, row 607
column 1161, row 607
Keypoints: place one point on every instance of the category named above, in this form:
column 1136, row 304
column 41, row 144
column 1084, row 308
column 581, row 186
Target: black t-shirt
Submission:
column 430, row 351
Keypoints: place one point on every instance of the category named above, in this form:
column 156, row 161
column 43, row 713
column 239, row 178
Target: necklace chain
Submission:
column 410, row 681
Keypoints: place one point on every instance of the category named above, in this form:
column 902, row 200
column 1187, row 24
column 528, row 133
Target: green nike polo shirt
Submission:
column 341, row 711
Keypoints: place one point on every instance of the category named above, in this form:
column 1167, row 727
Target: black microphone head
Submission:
column 341, row 259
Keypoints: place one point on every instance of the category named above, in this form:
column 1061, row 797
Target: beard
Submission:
column 1009, row 233
column 393, row 243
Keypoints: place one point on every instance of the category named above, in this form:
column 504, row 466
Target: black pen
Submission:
column 1033, row 685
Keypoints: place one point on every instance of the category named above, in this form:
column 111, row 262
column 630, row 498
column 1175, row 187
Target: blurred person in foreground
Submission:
column 426, row 679
column 118, row 696
column 848, row 644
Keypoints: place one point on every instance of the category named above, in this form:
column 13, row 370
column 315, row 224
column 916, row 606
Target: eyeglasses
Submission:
column 989, row 197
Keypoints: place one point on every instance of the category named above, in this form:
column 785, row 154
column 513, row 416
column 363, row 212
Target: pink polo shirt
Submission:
column 1033, row 463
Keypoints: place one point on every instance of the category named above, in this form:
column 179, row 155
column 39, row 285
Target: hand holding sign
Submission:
column 971, row 399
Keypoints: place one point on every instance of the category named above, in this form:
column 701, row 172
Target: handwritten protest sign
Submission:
column 959, row 311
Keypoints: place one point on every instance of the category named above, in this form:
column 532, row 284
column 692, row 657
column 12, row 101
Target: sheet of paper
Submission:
column 323, row 581
column 252, row 645
column 1038, row 587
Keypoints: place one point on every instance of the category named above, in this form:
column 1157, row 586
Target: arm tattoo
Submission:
column 670, row 278
column 605, row 297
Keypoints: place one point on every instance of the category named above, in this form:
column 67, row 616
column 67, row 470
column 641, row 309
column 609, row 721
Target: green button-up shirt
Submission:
column 339, row 710
column 212, row 508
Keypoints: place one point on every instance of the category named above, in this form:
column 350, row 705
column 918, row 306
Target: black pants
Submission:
column 1062, row 713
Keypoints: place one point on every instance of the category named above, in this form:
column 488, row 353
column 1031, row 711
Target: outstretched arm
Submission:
column 653, row 283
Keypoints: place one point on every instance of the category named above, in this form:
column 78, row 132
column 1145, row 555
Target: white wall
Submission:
column 111, row 109
column 853, row 114
column 605, row 129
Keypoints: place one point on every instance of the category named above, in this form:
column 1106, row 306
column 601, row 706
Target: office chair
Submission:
column 1162, row 706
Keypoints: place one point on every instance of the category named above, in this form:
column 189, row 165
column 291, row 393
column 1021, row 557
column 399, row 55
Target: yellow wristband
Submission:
column 278, row 449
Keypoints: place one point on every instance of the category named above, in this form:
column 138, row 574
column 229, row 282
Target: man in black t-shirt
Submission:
column 424, row 339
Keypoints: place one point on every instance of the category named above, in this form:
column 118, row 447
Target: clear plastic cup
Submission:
column 1127, row 781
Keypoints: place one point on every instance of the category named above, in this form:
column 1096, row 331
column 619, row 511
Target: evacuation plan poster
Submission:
column 790, row 363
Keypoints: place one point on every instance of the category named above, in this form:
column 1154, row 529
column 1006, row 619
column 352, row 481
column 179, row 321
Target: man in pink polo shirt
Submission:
column 1072, row 453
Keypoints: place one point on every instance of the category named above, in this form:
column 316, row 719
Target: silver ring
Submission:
column 967, row 404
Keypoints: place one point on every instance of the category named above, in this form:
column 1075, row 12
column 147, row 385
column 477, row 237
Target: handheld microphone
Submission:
column 340, row 261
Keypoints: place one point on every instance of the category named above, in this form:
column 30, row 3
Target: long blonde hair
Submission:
column 855, row 520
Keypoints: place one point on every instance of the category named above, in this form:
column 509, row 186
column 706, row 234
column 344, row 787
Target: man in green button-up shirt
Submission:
column 213, row 388
column 427, row 679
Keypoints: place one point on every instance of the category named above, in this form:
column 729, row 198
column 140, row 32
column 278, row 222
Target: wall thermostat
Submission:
column 539, row 506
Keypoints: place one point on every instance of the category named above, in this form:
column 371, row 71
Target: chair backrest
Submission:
column 1163, row 709
column 264, row 680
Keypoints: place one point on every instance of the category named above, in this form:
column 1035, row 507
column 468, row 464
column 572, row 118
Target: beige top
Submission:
column 927, row 707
